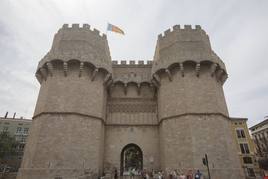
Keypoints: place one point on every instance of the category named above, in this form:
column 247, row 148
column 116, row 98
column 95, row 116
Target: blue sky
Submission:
column 237, row 29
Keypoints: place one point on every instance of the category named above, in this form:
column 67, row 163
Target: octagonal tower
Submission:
column 67, row 135
column 192, row 110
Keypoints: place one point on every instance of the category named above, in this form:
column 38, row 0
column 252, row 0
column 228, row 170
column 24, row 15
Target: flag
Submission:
column 114, row 28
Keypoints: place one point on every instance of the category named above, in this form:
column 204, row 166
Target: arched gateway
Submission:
column 131, row 157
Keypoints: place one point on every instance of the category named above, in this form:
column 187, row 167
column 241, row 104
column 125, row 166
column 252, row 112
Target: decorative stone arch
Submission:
column 131, row 157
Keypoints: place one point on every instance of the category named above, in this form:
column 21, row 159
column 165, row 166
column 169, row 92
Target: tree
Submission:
column 8, row 146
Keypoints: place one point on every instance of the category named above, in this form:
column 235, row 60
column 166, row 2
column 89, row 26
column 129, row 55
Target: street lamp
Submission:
column 205, row 162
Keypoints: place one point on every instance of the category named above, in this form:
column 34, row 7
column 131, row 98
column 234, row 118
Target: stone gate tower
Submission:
column 92, row 112
column 192, row 112
column 67, row 136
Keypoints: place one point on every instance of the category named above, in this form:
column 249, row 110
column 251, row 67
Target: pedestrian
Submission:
column 174, row 174
column 189, row 174
column 115, row 174
column 265, row 177
column 147, row 175
column 132, row 173
column 162, row 174
column 198, row 175
column 182, row 176
column 159, row 175
column 143, row 174
column 152, row 173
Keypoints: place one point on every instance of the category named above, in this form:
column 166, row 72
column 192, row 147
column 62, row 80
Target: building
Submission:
column 245, row 147
column 18, row 128
column 260, row 136
column 94, row 115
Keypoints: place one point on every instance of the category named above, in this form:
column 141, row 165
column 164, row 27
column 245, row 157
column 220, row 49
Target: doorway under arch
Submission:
column 131, row 157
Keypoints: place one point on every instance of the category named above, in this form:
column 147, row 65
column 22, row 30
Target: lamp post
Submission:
column 205, row 162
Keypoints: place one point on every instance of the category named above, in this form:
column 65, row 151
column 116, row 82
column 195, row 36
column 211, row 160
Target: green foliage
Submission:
column 8, row 145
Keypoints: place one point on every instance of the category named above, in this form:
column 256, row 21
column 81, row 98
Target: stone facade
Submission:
column 89, row 108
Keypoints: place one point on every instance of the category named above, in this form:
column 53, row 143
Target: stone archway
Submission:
column 131, row 157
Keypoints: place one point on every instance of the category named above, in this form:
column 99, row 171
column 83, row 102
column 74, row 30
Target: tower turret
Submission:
column 191, row 103
column 71, row 106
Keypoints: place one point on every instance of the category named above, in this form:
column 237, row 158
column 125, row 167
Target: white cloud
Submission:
column 238, row 33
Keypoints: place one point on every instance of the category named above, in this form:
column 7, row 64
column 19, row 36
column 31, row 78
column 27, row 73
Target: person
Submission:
column 174, row 174
column 132, row 173
column 170, row 175
column 189, row 174
column 182, row 176
column 147, row 175
column 159, row 175
column 265, row 177
column 143, row 174
column 115, row 174
column 198, row 175
column 152, row 173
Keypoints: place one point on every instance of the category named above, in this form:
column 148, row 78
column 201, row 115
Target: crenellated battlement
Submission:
column 183, row 34
column 81, row 28
column 187, row 34
column 80, row 43
column 132, row 62
column 179, row 29
column 178, row 45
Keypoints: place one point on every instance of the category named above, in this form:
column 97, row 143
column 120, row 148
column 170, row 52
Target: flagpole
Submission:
column 107, row 29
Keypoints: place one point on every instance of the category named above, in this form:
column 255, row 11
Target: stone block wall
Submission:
column 186, row 139
column 189, row 93
column 72, row 92
column 118, row 136
column 63, row 142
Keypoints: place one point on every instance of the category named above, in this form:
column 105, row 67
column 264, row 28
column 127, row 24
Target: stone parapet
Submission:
column 131, row 62
column 179, row 45
column 79, row 43
column 188, row 138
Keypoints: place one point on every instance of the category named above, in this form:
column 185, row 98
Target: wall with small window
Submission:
column 244, row 148
column 250, row 172
column 240, row 133
column 247, row 160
